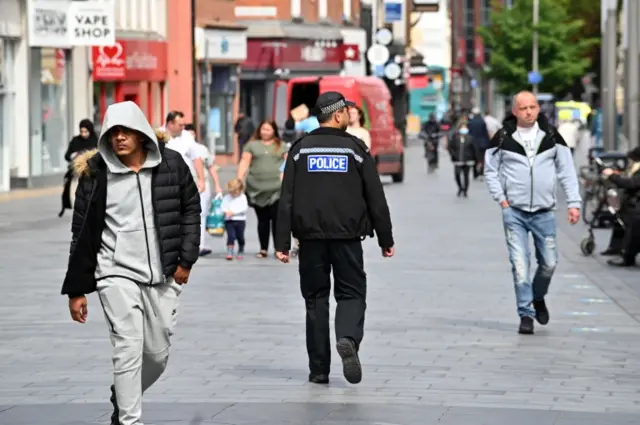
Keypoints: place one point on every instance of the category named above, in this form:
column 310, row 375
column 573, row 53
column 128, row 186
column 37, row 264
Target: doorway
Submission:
column 132, row 97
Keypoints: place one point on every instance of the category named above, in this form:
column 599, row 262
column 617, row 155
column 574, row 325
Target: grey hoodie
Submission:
column 130, row 247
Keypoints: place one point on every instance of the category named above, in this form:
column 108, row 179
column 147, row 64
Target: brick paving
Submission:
column 440, row 344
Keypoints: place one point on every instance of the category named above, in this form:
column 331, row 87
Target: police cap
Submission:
column 330, row 102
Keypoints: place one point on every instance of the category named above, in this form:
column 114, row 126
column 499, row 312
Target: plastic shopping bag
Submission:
column 215, row 219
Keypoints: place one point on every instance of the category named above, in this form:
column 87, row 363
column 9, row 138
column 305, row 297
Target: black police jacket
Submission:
column 331, row 190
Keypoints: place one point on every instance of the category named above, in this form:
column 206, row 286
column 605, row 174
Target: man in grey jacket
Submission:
column 526, row 159
column 135, row 237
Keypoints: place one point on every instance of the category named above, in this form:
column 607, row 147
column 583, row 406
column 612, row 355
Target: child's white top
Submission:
column 238, row 205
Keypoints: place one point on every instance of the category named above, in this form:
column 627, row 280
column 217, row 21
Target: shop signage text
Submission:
column 220, row 45
column 130, row 60
column 68, row 23
column 293, row 55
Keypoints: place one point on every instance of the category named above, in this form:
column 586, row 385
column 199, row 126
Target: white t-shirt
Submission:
column 188, row 148
column 209, row 159
column 238, row 206
column 528, row 137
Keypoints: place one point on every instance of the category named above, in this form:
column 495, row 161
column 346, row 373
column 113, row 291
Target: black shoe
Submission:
column 542, row 313
column 610, row 252
column 526, row 326
column 621, row 263
column 320, row 378
column 351, row 367
column 116, row 412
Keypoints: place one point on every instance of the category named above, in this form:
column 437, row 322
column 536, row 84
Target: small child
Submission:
column 235, row 206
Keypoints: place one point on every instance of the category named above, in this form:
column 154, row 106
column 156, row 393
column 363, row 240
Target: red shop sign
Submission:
column 478, row 50
column 130, row 60
column 294, row 55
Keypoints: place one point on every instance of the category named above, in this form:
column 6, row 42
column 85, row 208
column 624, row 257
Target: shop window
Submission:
column 104, row 94
column 216, row 110
column 50, row 124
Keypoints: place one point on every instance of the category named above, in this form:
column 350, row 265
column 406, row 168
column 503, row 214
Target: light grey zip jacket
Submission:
column 530, row 186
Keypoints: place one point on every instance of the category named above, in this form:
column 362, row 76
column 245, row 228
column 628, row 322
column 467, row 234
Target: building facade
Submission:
column 135, row 68
column 469, row 56
column 294, row 38
column 45, row 77
column 220, row 48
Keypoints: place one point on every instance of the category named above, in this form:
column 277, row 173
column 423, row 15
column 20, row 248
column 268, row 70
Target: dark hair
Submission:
column 276, row 133
column 189, row 127
column 171, row 116
column 361, row 113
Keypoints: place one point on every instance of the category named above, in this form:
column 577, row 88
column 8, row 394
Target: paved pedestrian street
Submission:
column 441, row 343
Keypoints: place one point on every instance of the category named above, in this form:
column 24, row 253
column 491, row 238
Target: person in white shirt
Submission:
column 570, row 132
column 492, row 123
column 235, row 206
column 181, row 141
column 205, row 197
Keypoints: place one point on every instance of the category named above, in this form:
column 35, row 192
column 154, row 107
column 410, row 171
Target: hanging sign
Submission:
column 68, row 23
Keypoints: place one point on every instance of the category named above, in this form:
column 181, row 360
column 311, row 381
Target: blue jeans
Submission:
column 542, row 226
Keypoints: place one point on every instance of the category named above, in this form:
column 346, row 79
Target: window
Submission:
column 365, row 113
column 346, row 9
column 485, row 17
column 296, row 8
column 322, row 9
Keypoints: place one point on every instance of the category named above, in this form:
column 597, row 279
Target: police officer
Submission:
column 331, row 199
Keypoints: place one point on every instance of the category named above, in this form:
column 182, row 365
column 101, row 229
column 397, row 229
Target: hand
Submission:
column 228, row 214
column 504, row 204
column 574, row 215
column 283, row 256
column 201, row 186
column 607, row 172
column 388, row 252
column 78, row 309
column 218, row 189
column 181, row 276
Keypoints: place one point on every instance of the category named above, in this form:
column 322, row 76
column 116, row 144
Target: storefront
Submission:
column 306, row 50
column 134, row 70
column 8, row 40
column 219, row 53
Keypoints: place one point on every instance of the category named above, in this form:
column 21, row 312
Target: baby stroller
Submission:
column 606, row 201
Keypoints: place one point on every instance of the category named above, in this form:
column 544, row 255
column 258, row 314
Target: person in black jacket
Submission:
column 478, row 130
column 630, row 209
column 331, row 199
column 135, row 237
column 86, row 140
column 463, row 155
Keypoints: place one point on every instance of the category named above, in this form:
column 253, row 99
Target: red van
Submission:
column 370, row 94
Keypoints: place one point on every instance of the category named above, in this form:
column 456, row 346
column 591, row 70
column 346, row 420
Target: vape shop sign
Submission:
column 67, row 23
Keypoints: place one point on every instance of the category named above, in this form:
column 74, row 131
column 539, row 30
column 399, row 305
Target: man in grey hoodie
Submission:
column 136, row 232
column 526, row 160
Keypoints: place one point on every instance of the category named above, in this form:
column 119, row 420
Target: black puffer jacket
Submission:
column 176, row 209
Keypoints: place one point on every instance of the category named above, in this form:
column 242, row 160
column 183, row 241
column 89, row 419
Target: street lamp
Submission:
column 536, row 18
column 608, row 72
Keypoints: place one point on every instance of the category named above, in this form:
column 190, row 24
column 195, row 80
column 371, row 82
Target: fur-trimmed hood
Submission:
column 81, row 166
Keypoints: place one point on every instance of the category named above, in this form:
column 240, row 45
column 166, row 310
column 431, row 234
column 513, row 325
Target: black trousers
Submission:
column 462, row 177
column 631, row 241
column 266, row 222
column 317, row 258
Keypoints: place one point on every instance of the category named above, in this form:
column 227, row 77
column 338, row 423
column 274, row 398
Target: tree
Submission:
column 563, row 50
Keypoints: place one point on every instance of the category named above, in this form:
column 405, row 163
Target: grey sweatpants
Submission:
column 141, row 321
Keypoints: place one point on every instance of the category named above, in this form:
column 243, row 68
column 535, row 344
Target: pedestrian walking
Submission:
column 86, row 140
column 331, row 199
column 260, row 164
column 181, row 141
column 135, row 237
column 235, row 206
column 463, row 155
column 478, row 130
column 209, row 163
column 526, row 159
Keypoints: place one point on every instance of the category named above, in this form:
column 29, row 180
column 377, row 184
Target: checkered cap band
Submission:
column 328, row 110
